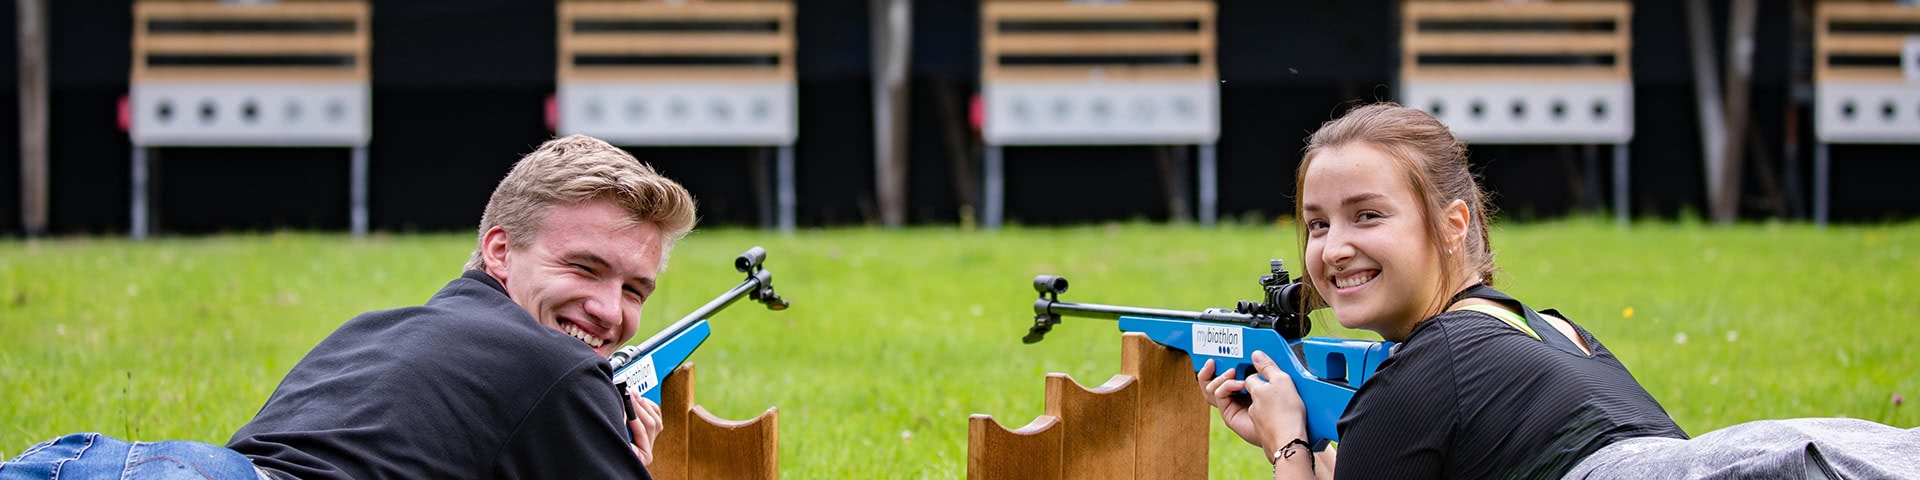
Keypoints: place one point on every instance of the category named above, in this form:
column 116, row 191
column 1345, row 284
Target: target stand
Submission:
column 1065, row 73
column 1525, row 73
column 214, row 74
column 1866, row 79
column 682, row 73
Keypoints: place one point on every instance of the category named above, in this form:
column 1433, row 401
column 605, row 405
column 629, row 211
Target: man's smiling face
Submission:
column 586, row 274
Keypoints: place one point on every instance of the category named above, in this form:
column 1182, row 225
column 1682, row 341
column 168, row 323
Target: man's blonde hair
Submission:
column 575, row 169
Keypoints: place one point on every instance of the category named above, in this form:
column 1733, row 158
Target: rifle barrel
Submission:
column 718, row 303
column 1114, row 312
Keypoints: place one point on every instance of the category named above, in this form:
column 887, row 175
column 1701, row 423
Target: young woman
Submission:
column 1395, row 240
column 1480, row 385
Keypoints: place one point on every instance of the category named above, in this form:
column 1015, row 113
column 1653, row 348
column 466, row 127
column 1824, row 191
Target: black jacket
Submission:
column 466, row 386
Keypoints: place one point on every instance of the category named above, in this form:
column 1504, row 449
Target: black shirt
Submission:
column 1468, row 396
column 466, row 386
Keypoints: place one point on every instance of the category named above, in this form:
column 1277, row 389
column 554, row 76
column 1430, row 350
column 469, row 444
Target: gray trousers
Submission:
column 1812, row 448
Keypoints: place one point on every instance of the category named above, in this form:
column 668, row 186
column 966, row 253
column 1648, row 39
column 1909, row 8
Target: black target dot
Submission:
column 250, row 111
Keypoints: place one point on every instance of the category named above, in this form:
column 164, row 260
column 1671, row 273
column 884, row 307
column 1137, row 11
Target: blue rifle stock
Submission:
column 1326, row 371
column 640, row 368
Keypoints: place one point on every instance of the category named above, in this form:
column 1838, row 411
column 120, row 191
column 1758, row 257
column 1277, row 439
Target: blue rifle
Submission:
column 641, row 368
column 1326, row 371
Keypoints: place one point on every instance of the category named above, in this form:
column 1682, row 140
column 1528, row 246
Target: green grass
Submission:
column 894, row 338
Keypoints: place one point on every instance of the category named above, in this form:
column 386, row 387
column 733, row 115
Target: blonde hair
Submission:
column 1435, row 164
column 575, row 169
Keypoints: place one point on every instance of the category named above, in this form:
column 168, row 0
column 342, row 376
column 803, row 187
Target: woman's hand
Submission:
column 646, row 426
column 1277, row 413
column 1219, row 392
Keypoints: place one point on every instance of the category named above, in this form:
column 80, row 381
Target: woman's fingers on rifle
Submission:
column 1221, row 391
column 1206, row 371
column 1267, row 368
column 1213, row 387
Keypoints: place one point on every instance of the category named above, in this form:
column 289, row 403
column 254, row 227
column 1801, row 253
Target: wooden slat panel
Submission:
column 1888, row 44
column 778, row 43
column 686, row 44
column 1031, row 452
column 602, row 10
column 345, row 10
column 1102, row 43
column 1616, row 11
column 701, row 73
column 1084, row 73
column 270, row 74
column 254, row 43
column 1617, row 43
column 1855, row 73
column 1200, row 42
column 1574, row 72
column 1518, row 43
column 1099, row 432
column 1172, row 427
column 1868, row 12
column 993, row 11
column 357, row 43
column 1828, row 43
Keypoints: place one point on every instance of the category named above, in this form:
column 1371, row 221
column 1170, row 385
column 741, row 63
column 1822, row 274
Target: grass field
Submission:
column 894, row 338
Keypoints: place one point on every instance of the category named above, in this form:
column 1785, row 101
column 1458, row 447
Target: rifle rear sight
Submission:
column 1283, row 309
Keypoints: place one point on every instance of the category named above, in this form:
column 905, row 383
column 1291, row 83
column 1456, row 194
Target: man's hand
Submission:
column 645, row 425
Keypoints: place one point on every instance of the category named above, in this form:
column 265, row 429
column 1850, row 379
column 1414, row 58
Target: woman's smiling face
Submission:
column 1368, row 252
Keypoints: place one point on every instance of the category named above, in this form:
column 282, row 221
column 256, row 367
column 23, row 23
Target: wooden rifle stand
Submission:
column 696, row 444
column 1150, row 421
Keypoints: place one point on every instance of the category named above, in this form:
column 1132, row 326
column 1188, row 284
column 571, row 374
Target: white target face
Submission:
column 665, row 113
column 1117, row 113
column 249, row 114
column 1528, row 113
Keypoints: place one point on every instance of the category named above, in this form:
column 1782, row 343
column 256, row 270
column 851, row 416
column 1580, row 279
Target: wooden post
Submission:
column 1173, row 415
column 33, row 114
column 891, row 26
column 1740, row 24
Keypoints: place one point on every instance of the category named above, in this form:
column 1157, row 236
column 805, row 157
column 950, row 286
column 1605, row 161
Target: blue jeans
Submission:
column 92, row 455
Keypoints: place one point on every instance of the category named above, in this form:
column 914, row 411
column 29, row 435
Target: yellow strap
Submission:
column 1505, row 315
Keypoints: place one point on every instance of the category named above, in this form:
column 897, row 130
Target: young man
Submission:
column 502, row 374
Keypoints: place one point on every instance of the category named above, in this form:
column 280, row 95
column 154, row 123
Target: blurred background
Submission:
column 460, row 88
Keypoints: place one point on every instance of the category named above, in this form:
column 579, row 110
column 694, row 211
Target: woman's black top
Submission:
column 1469, row 396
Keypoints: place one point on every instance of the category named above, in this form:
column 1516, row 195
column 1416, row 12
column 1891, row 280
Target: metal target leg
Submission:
column 1209, row 184
column 1620, row 179
column 1820, row 172
column 783, row 176
column 995, row 189
column 358, row 192
column 139, row 208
